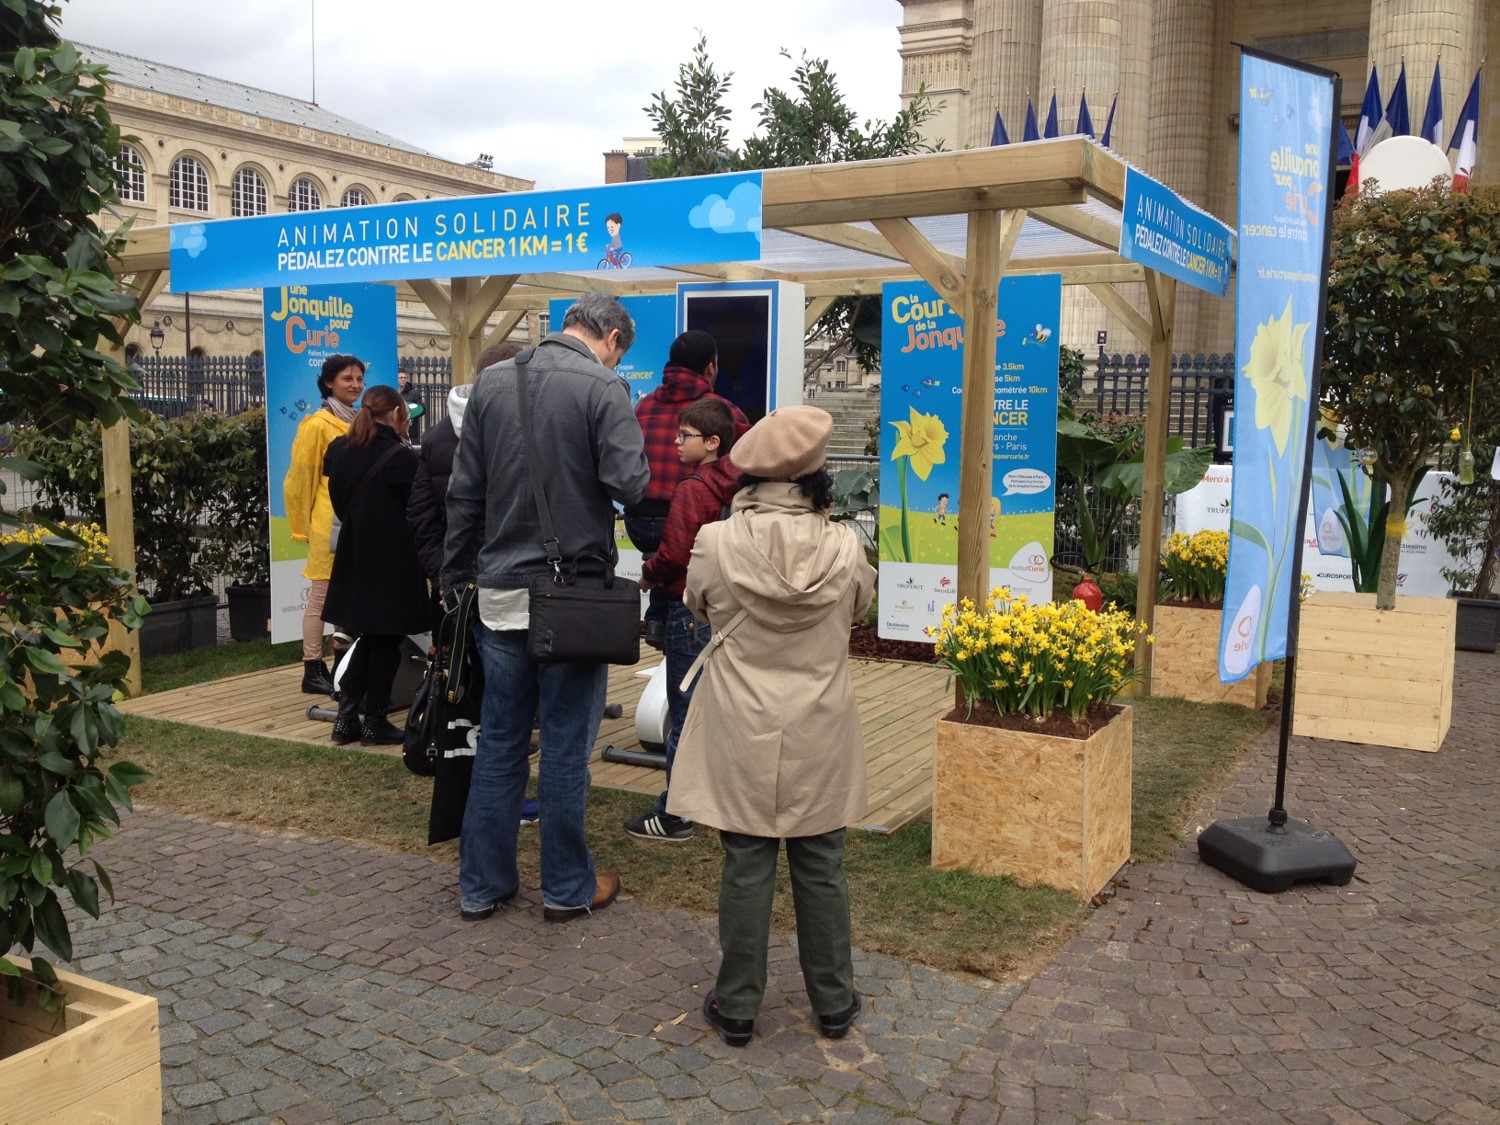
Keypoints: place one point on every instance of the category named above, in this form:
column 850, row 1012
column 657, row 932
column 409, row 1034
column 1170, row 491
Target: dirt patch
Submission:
column 1058, row 724
column 864, row 644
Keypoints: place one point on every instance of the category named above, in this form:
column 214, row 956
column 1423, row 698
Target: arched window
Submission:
column 403, row 198
column 189, row 184
column 130, row 171
column 247, row 193
column 304, row 196
column 355, row 197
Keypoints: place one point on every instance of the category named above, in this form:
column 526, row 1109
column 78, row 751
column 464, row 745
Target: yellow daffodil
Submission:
column 921, row 442
column 1277, row 369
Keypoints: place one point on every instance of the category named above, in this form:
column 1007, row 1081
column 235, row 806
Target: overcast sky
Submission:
column 546, row 88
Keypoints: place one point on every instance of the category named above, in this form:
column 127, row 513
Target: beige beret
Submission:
column 786, row 444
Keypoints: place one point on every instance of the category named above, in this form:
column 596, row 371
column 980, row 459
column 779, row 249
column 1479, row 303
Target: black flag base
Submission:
column 1270, row 858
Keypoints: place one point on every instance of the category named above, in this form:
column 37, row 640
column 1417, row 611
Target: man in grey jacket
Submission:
column 592, row 452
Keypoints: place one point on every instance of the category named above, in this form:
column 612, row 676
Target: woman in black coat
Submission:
column 377, row 589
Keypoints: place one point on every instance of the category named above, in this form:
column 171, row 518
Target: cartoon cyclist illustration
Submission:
column 616, row 257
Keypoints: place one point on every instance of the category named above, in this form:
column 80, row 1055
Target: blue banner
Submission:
column 655, row 329
column 1286, row 167
column 304, row 326
column 654, row 223
column 921, row 396
column 1164, row 232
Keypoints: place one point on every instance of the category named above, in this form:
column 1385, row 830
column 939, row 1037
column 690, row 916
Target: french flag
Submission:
column 1369, row 120
column 1464, row 137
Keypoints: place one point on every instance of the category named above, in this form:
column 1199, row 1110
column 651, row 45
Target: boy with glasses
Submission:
column 706, row 432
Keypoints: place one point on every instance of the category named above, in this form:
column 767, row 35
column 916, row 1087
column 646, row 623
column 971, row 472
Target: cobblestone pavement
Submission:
column 305, row 980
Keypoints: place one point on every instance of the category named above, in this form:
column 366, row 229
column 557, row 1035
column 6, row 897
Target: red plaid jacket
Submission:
column 657, row 414
column 699, row 499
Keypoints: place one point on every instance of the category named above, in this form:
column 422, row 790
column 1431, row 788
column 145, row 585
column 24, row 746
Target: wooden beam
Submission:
column 145, row 286
column 1073, row 221
column 434, row 296
column 731, row 271
column 1112, row 299
column 119, row 523
column 1010, row 233
column 486, row 301
column 462, row 352
column 976, row 439
column 850, row 237
column 1163, row 292
column 941, row 271
column 502, row 330
column 816, row 307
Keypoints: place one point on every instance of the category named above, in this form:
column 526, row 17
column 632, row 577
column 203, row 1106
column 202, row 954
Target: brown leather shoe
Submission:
column 607, row 891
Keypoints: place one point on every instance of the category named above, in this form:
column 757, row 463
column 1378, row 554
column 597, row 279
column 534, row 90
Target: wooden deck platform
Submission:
column 897, row 706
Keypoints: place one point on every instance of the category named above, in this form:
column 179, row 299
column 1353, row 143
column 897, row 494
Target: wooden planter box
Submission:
column 1038, row 808
column 1185, row 660
column 98, row 1061
column 1382, row 677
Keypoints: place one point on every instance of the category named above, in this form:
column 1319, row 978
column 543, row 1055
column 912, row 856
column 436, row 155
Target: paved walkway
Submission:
column 305, row 980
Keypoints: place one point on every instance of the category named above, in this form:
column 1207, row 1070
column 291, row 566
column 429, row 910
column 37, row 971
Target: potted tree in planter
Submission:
column 1466, row 517
column 1412, row 337
column 238, row 545
column 1032, row 775
column 70, row 1050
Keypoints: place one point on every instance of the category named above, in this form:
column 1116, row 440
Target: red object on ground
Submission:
column 1089, row 594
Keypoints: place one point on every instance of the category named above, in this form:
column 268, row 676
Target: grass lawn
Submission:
column 946, row 919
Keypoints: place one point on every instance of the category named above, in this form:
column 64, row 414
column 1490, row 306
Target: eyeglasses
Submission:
column 683, row 435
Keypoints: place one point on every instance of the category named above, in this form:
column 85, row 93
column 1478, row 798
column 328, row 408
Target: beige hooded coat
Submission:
column 771, row 745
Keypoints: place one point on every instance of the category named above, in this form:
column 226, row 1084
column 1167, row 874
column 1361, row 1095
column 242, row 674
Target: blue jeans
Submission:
column 571, row 699
column 645, row 535
column 686, row 638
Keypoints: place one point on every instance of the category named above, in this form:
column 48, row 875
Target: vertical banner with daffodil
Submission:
column 1286, row 167
column 920, row 414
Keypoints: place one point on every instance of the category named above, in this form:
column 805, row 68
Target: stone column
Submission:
column 1006, row 55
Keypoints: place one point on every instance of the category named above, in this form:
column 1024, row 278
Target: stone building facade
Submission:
column 205, row 148
column 1174, row 66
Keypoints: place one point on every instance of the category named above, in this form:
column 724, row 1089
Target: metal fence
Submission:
column 1202, row 394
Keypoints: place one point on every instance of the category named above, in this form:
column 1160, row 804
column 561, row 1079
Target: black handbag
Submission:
column 447, row 731
column 580, row 612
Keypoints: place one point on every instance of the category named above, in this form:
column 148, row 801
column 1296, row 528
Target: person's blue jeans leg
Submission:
column 572, row 705
column 686, row 638
column 487, row 857
column 645, row 536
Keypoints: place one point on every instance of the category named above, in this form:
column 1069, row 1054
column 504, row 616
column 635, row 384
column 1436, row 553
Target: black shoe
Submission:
column 656, row 633
column 486, row 911
column 316, row 679
column 345, row 731
column 659, row 826
column 380, row 731
column 837, row 1025
column 734, row 1032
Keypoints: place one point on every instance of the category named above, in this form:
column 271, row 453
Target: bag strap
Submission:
column 372, row 470
column 533, row 464
column 708, row 650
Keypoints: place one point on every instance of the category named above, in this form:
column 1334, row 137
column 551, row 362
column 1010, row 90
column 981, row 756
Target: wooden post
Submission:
column 976, row 444
column 1162, row 292
column 119, row 525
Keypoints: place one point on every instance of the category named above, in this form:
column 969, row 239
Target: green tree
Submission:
column 58, row 588
column 1413, row 326
column 811, row 124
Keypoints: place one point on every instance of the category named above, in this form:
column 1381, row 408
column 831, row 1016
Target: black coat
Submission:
column 427, row 511
column 377, row 584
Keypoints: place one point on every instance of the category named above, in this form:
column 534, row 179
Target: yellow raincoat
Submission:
column 309, row 512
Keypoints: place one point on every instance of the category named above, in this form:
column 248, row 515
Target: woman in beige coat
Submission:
column 771, row 748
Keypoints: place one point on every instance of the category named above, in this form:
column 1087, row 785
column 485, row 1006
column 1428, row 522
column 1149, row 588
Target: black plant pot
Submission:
column 1478, row 624
column 180, row 626
column 249, row 612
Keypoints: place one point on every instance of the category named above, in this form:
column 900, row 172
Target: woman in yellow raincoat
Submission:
column 309, row 512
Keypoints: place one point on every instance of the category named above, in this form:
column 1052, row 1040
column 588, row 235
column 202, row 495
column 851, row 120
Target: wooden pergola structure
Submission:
column 958, row 220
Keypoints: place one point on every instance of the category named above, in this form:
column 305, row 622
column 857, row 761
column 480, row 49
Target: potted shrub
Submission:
column 238, row 543
column 1185, row 658
column 1032, row 774
column 172, row 483
column 1466, row 517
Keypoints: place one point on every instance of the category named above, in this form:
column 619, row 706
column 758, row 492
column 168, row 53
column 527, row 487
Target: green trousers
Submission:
column 820, row 895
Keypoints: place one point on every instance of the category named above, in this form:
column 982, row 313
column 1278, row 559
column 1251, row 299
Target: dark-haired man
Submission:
column 692, row 367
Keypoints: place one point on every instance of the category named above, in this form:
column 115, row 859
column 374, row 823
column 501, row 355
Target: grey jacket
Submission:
column 592, row 454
